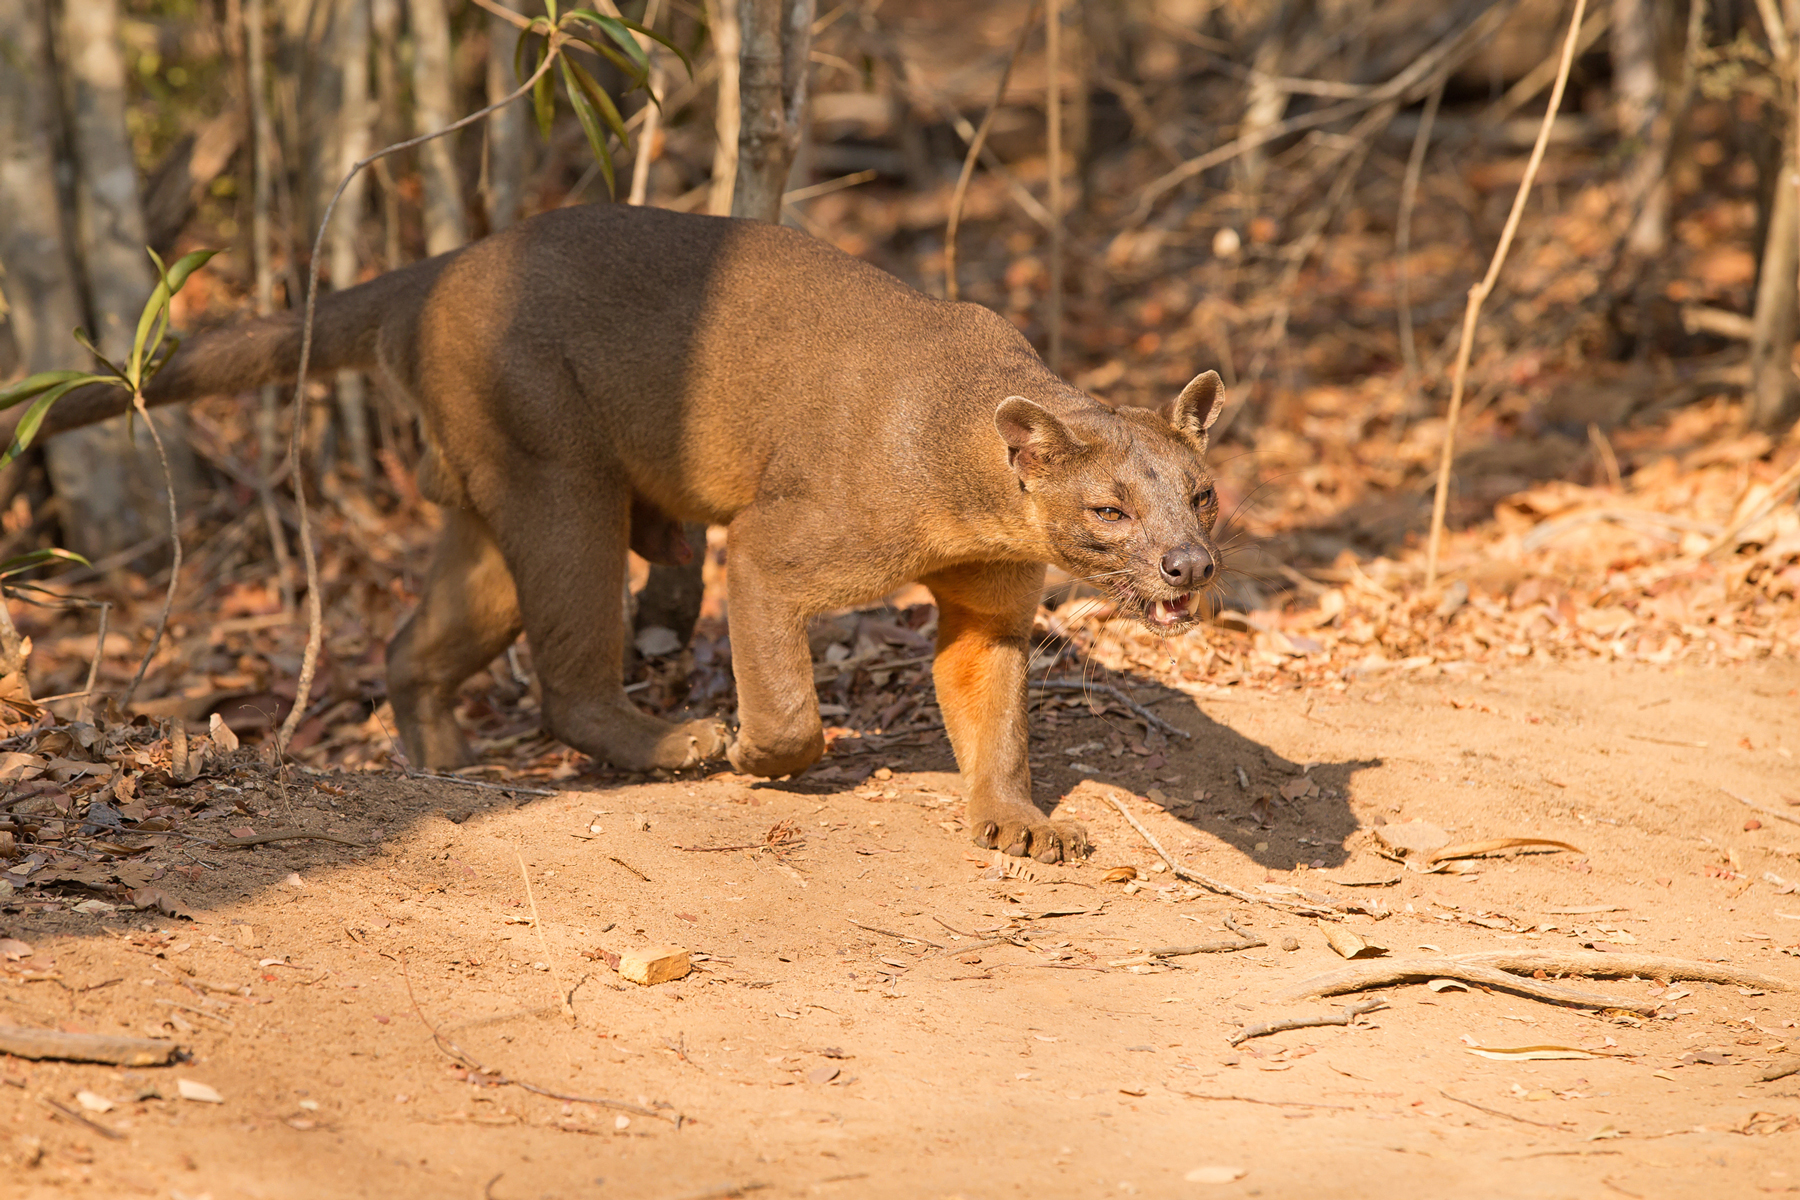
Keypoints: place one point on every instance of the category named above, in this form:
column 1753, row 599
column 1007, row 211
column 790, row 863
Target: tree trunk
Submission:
column 107, row 477
column 1643, row 129
column 351, row 143
column 434, row 100
column 384, row 22
column 1773, row 389
column 773, row 69
column 727, row 44
column 506, row 133
column 1265, row 101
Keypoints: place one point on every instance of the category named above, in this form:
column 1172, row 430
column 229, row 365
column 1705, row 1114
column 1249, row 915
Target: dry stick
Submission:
column 640, row 165
column 951, row 291
column 315, row 611
column 263, row 839
column 562, row 997
column 1053, row 118
column 1761, row 808
column 905, row 937
column 481, row 783
column 1106, row 689
column 1361, row 976
column 1224, row 889
column 1622, row 966
column 1254, row 1100
column 1494, row 1112
column 1202, row 948
column 1448, row 51
column 463, row 1058
column 1283, row 1024
column 1479, row 293
column 65, row 1111
column 162, row 621
column 1415, row 166
column 1788, row 481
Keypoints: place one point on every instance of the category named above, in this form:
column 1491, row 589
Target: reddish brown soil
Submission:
column 815, row 1057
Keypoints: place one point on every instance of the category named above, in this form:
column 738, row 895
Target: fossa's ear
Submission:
column 1194, row 411
column 1035, row 437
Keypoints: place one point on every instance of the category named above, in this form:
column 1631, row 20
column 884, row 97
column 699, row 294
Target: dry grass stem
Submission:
column 1479, row 293
column 957, row 197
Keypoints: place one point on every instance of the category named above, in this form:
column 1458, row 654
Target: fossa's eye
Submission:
column 1109, row 515
column 1206, row 499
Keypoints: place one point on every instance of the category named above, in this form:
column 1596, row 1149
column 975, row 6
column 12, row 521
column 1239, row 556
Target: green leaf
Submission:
column 590, row 124
column 156, row 309
column 617, row 31
column 37, row 558
column 543, row 97
column 43, row 381
column 519, row 48
column 635, row 76
column 34, row 417
column 600, row 100
column 654, row 36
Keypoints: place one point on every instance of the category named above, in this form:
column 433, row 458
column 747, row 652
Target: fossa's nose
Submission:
column 1187, row 566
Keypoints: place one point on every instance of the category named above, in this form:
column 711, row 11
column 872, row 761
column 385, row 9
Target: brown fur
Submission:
column 595, row 376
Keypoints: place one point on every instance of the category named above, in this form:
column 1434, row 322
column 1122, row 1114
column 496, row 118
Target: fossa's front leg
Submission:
column 983, row 651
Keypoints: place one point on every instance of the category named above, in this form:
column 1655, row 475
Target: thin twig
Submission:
column 1202, row 948
column 562, row 997
column 315, row 612
column 1494, row 1112
column 629, row 867
column 1762, row 808
column 1479, row 293
column 1254, row 1100
column 86, row 707
column 1788, row 481
column 1283, row 1024
column 64, row 1110
column 968, row 168
column 1409, row 191
column 1407, row 85
column 482, row 783
column 464, row 1059
column 1224, row 889
column 162, row 620
column 905, row 937
column 1106, row 689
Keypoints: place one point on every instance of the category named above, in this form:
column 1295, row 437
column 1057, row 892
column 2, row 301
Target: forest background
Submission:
column 1299, row 193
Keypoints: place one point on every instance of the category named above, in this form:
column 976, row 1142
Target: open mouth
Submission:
column 1166, row 614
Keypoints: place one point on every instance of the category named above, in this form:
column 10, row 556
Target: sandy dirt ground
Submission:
column 876, row 1009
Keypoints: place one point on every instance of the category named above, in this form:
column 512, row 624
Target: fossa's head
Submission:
column 1125, row 498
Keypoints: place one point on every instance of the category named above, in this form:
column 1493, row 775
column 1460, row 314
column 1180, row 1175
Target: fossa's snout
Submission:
column 1188, row 566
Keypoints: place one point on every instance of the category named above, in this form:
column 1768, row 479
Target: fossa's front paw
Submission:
column 1031, row 835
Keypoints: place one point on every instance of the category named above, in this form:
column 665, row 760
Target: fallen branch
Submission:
column 1202, row 948
column 905, row 937
column 1494, row 1112
column 1362, row 976
column 1282, row 1024
column 1214, row 885
column 1106, row 689
column 86, row 1047
column 1624, row 966
column 1479, row 294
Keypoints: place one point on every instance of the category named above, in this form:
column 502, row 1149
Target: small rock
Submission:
column 656, row 964
column 654, row 641
column 190, row 1089
column 1290, row 943
column 1752, row 823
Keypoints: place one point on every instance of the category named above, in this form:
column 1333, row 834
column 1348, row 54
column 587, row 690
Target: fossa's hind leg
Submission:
column 468, row 614
column 566, row 547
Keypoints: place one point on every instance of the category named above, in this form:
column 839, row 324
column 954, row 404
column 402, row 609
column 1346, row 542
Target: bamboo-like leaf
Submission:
column 600, row 100
column 37, row 558
column 656, row 37
column 543, row 96
column 43, row 381
column 156, row 309
column 616, row 30
column 635, row 75
column 34, row 417
column 590, row 124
